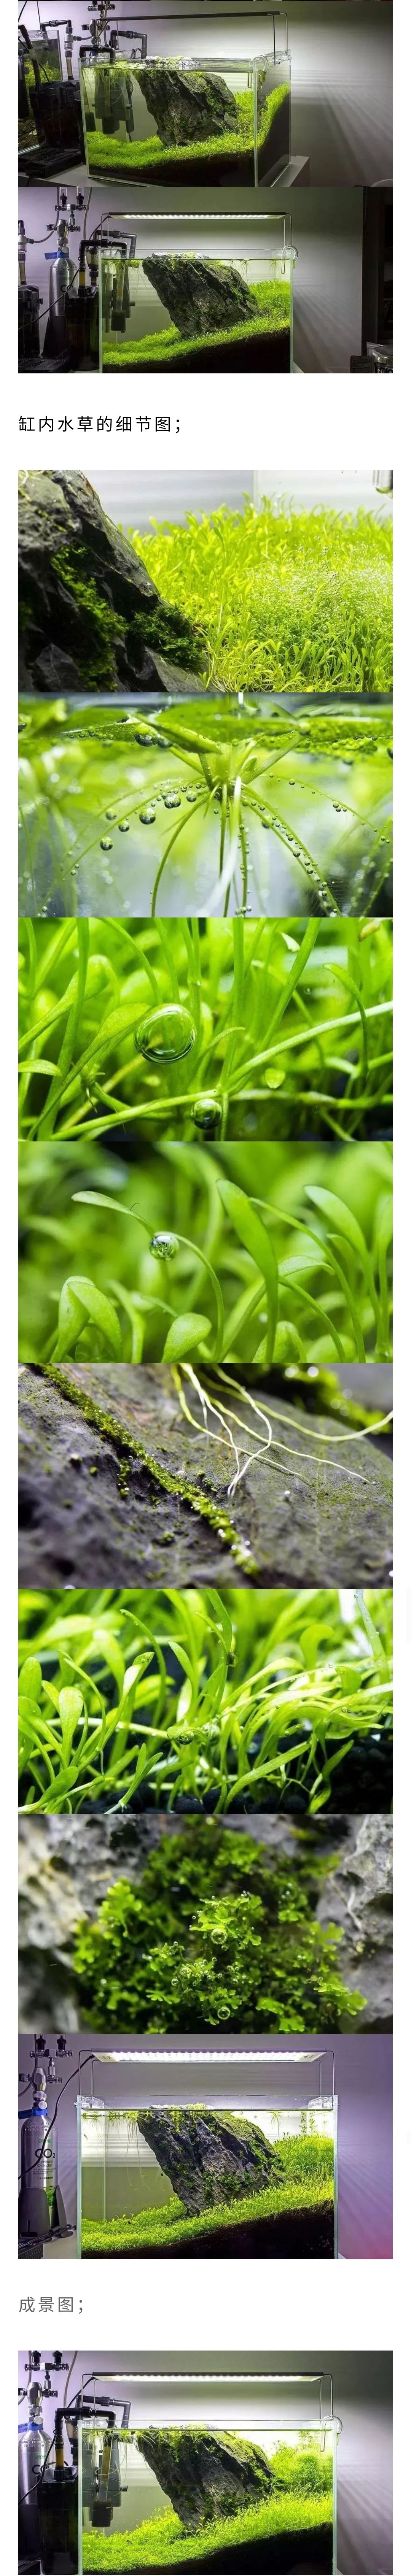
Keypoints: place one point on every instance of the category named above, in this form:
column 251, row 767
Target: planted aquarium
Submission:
column 212, row 2473
column 221, row 807
column 222, row 2155
column 225, row 123
column 189, row 312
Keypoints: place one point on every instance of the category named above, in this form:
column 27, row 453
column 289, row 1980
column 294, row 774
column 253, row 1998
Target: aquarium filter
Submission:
column 41, row 2205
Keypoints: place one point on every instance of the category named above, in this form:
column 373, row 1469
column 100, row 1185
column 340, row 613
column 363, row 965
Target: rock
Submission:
column 361, row 1903
column 187, row 105
column 209, row 2156
column 200, row 294
column 89, row 615
column 205, row 2475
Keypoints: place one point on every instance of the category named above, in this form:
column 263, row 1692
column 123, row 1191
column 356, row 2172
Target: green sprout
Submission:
column 241, row 1254
column 278, row 1029
column 235, row 1699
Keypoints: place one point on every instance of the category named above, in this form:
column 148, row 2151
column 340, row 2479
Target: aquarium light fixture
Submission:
column 209, row 2056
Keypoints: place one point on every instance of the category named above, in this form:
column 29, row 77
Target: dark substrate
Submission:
column 266, row 352
column 301, row 2234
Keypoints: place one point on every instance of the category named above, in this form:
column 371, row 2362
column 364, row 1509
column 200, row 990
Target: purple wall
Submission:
column 363, row 2075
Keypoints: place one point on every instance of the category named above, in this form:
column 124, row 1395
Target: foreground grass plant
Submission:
column 214, row 806
column 286, row 599
column 235, row 1253
column 232, row 1699
column 291, row 1028
column 214, row 1934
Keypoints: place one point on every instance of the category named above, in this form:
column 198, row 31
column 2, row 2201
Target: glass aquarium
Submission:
column 188, row 311
column 210, row 2473
column 307, row 823
column 225, row 122
column 213, row 2154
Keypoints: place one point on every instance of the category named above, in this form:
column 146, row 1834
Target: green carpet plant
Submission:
column 230, row 1253
column 292, row 1028
column 233, row 1698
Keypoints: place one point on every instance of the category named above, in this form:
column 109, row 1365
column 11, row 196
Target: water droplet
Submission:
column 165, row 1035
column 339, row 809
column 124, row 827
column 22, row 724
column 106, row 845
column 147, row 814
column 172, row 801
column 164, row 1246
column 207, row 1113
column 274, row 1076
column 191, row 795
column 241, row 911
column 110, row 814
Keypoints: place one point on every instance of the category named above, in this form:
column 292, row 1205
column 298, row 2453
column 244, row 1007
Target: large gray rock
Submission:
column 206, row 2475
column 200, row 294
column 89, row 615
column 187, row 105
column 209, row 2156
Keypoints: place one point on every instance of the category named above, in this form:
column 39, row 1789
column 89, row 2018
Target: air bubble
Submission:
column 164, row 1246
column 165, row 1035
column 207, row 1113
column 147, row 814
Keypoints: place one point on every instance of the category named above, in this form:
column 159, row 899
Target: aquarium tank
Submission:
column 223, row 121
column 223, row 2154
column 212, row 2473
column 184, row 310
column 283, row 806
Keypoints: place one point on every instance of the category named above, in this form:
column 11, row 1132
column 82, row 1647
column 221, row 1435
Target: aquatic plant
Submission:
column 235, row 1699
column 213, row 1934
column 291, row 1028
column 286, row 599
column 272, row 316
column 162, row 2543
column 243, row 1253
column 304, row 2185
column 272, row 808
